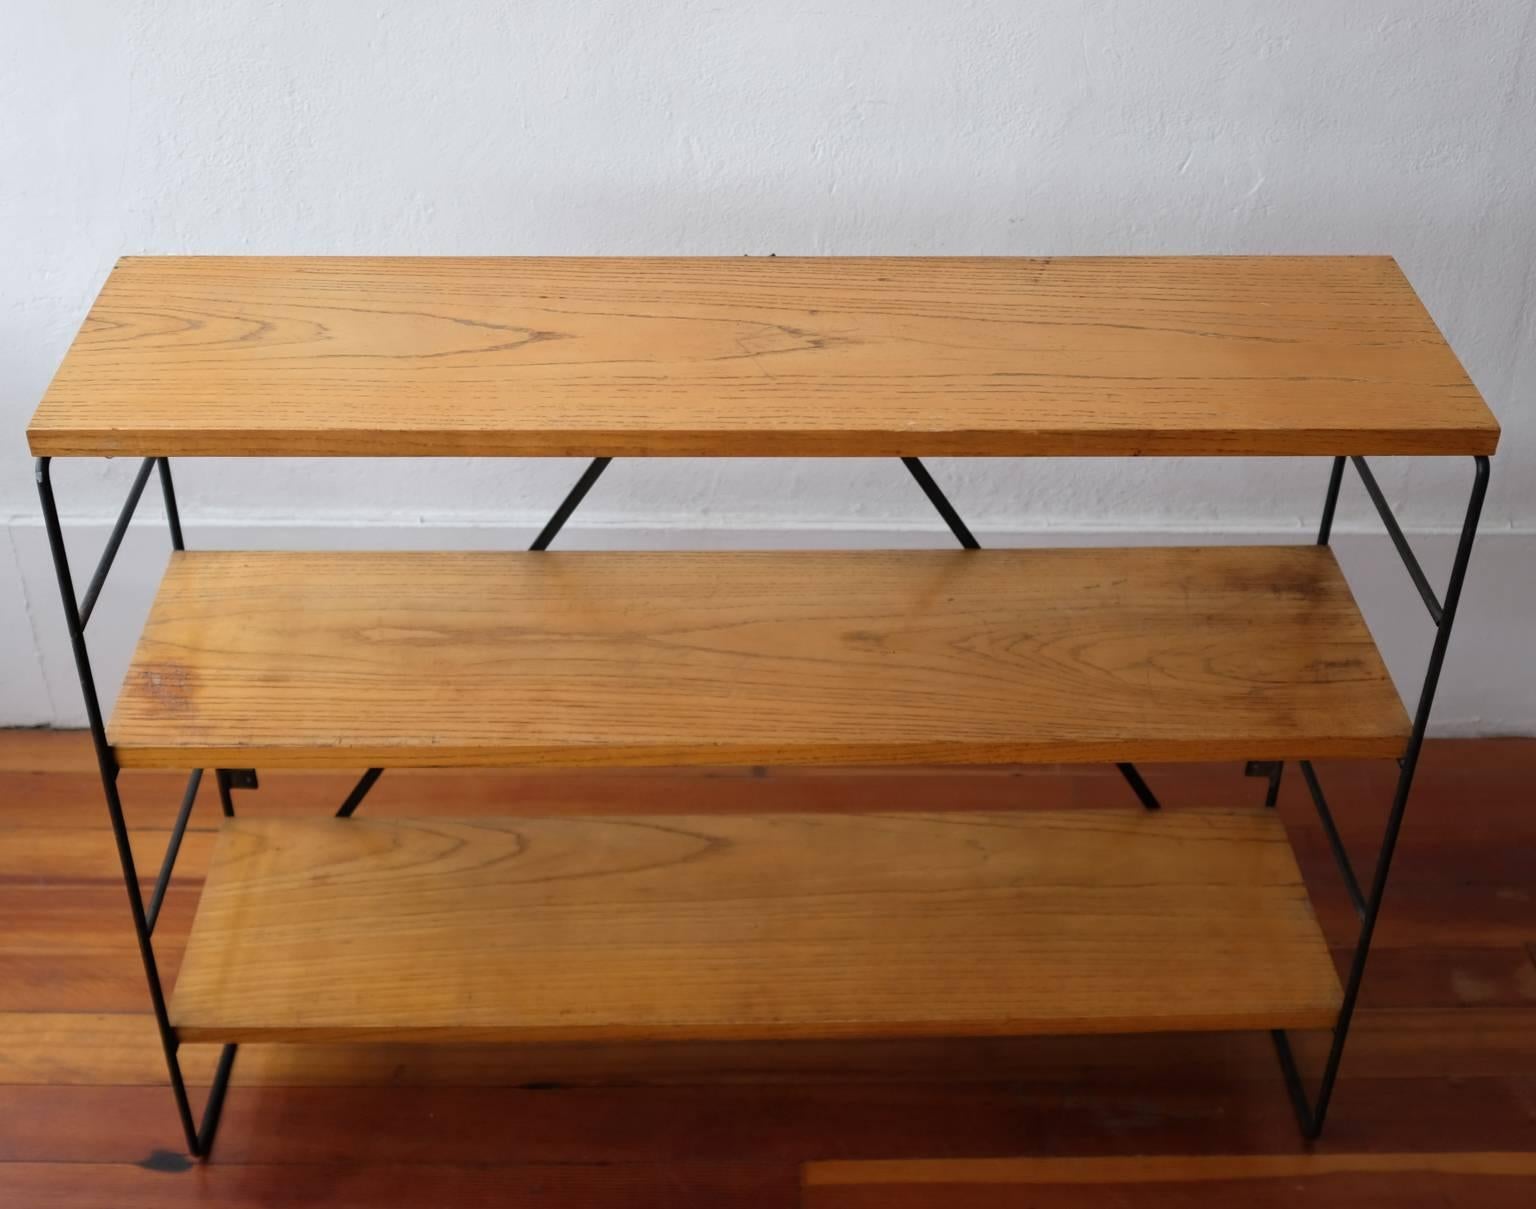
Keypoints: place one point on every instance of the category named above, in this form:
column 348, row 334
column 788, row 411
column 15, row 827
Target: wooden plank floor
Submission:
column 1442, row 1063
column 1401, row 1180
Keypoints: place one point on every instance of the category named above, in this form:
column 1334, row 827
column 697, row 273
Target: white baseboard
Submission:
column 1489, row 685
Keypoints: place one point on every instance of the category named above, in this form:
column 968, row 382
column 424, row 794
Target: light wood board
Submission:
column 246, row 356
column 872, row 657
column 753, row 927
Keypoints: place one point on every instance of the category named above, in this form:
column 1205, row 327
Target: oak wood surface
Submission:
column 848, row 657
column 246, row 356
column 786, row 926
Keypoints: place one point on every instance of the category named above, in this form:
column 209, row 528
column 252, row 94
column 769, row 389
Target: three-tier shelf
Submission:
column 942, row 922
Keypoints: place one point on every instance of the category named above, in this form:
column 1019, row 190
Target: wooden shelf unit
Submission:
column 875, row 924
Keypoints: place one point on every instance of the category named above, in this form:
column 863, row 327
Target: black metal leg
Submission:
column 199, row 1137
column 1312, row 1113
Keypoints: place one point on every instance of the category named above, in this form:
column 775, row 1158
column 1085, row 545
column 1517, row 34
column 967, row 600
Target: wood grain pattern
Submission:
column 1405, row 1180
column 71, row 800
column 770, row 357
column 885, row 657
column 1153, row 1169
column 276, row 1184
column 789, row 926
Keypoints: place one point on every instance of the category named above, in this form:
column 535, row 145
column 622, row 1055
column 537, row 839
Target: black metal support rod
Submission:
column 1313, row 1120
column 1272, row 794
column 1400, row 540
column 1331, row 501
column 569, row 504
column 172, row 513
column 359, row 792
column 214, row 1105
column 106, row 764
column 1139, row 787
column 941, row 503
column 172, row 849
column 1305, row 1119
column 1335, row 841
column 108, row 555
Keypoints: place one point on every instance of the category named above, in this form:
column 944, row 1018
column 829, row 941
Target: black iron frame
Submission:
column 1311, row 1112
column 199, row 1135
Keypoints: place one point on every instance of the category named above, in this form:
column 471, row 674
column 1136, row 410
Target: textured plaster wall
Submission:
column 855, row 126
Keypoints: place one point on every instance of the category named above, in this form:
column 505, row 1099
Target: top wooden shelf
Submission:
column 267, row 357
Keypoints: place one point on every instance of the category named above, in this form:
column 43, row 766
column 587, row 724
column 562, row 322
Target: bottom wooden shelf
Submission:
column 761, row 927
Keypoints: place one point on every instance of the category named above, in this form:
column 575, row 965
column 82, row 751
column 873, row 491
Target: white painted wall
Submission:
column 847, row 126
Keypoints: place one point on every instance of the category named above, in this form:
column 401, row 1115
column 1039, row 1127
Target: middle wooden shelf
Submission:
column 347, row 659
